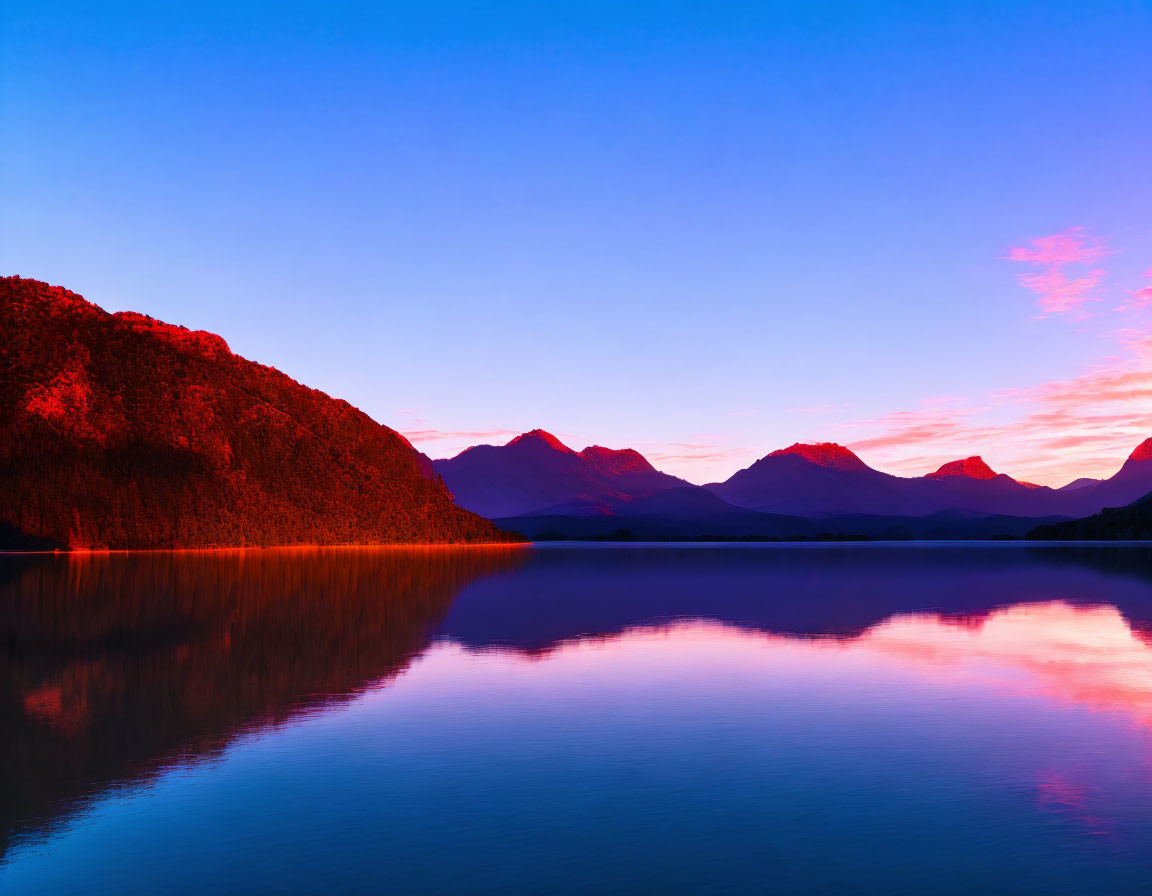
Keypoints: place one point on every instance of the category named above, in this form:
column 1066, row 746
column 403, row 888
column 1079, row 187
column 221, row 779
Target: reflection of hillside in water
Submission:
column 117, row 665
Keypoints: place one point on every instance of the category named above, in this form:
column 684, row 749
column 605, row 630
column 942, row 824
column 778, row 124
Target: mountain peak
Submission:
column 546, row 438
column 1143, row 451
column 616, row 460
column 972, row 467
column 824, row 454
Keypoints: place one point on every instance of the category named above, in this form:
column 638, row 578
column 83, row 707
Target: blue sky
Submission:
column 705, row 230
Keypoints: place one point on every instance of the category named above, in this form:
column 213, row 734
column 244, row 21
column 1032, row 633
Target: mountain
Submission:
column 536, row 475
column 824, row 479
column 536, row 471
column 825, row 454
column 970, row 484
column 1130, row 483
column 119, row 431
column 1133, row 521
column 970, row 467
column 1078, row 483
column 828, row 480
column 618, row 462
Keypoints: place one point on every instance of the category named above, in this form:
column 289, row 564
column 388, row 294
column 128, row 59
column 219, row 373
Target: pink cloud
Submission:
column 701, row 456
column 1141, row 298
column 1085, row 425
column 440, row 435
column 1049, row 256
column 685, row 451
column 905, row 432
column 1073, row 246
column 701, row 461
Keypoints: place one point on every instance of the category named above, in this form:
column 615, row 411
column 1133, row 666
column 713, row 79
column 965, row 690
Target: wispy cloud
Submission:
column 1141, row 299
column 683, row 452
column 1051, row 431
column 479, row 436
column 1049, row 257
column 905, row 428
column 1062, row 428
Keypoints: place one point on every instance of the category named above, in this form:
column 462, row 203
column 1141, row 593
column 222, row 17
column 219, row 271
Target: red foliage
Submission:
column 120, row 431
column 972, row 467
column 826, row 454
column 546, row 437
column 1143, row 451
column 622, row 460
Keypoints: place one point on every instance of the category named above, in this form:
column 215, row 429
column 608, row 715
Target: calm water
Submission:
column 772, row 718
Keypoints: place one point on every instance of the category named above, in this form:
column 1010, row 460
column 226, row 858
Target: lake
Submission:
column 775, row 718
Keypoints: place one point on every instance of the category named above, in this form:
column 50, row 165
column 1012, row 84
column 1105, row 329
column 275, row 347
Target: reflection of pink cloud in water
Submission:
column 1088, row 656
column 1085, row 655
column 1059, row 793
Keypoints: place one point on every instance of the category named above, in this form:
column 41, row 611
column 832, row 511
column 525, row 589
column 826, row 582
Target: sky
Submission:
column 702, row 230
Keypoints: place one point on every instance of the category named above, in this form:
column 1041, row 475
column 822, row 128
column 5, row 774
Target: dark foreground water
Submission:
column 766, row 719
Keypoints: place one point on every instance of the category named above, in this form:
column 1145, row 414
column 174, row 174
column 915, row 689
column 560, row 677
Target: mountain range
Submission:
column 538, row 486
column 120, row 431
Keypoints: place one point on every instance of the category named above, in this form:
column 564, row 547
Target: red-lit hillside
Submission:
column 971, row 467
column 119, row 431
column 824, row 454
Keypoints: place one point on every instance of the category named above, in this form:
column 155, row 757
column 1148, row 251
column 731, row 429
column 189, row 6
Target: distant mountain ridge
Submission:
column 801, row 490
column 535, row 471
column 828, row 480
column 120, row 431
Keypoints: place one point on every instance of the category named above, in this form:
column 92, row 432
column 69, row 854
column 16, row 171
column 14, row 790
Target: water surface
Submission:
column 705, row 718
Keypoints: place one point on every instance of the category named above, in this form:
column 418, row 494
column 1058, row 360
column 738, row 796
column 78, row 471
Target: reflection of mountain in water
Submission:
column 117, row 665
column 1072, row 622
column 567, row 593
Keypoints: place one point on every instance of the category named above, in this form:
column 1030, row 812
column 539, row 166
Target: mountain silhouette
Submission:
column 1130, row 483
column 820, row 480
column 829, row 480
column 120, row 431
column 536, row 471
column 539, row 487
